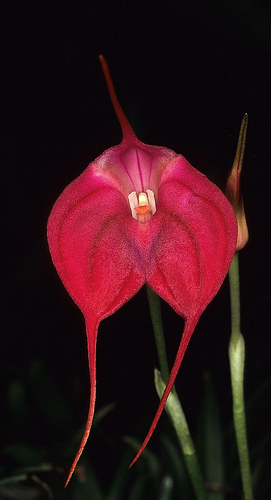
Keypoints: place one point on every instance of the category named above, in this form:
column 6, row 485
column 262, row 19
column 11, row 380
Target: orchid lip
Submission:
column 142, row 206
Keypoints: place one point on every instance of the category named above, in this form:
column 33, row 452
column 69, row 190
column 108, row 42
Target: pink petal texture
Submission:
column 104, row 255
column 135, row 165
column 100, row 268
column 87, row 234
column 193, row 246
column 194, row 233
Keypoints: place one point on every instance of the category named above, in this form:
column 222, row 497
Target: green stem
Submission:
column 158, row 330
column 173, row 405
column 177, row 416
column 237, row 364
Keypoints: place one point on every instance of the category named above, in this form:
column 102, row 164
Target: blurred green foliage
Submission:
column 42, row 441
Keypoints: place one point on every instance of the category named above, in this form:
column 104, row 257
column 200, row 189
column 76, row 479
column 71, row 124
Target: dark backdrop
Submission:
column 185, row 73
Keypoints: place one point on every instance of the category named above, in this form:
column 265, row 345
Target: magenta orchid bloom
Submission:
column 140, row 215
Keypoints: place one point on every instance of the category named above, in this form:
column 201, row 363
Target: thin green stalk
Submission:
column 237, row 364
column 177, row 416
column 158, row 330
column 173, row 405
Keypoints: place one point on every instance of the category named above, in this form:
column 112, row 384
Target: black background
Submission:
column 185, row 73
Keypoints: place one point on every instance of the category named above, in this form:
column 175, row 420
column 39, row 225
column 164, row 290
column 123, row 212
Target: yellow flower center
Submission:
column 142, row 206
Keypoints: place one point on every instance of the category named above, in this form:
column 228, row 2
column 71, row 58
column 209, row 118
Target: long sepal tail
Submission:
column 92, row 341
column 124, row 123
column 189, row 327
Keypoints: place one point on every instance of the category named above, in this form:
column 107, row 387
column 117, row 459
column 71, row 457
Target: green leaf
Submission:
column 212, row 443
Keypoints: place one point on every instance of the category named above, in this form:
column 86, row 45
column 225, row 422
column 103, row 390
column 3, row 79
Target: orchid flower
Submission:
column 138, row 215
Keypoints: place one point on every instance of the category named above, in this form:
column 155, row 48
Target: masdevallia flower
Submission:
column 140, row 214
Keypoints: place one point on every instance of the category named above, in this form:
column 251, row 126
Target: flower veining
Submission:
column 182, row 246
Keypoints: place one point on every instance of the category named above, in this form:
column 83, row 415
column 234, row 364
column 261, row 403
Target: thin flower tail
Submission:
column 92, row 342
column 123, row 121
column 189, row 327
